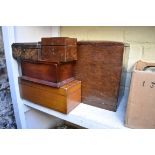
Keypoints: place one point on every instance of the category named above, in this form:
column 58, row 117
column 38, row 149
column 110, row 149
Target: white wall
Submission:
column 39, row 120
column 25, row 117
column 12, row 68
column 32, row 33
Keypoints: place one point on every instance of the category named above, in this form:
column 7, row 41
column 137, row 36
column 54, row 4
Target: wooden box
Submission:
column 26, row 51
column 49, row 73
column 99, row 68
column 59, row 49
column 63, row 99
column 56, row 49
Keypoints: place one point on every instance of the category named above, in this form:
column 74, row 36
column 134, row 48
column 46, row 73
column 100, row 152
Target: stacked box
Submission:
column 48, row 65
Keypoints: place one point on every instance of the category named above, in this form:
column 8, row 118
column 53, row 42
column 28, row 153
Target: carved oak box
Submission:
column 48, row 73
column 26, row 51
column 55, row 49
column 99, row 68
column 63, row 99
column 59, row 49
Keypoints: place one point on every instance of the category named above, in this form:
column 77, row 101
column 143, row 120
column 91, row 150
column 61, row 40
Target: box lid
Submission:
column 27, row 45
column 68, row 88
column 105, row 43
column 142, row 65
column 39, row 61
column 61, row 41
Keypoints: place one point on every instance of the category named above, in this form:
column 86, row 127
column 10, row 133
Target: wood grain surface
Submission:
column 55, row 49
column 63, row 99
column 47, row 71
column 64, row 41
column 26, row 51
column 99, row 68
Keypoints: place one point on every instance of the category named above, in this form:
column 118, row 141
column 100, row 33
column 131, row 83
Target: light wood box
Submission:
column 63, row 99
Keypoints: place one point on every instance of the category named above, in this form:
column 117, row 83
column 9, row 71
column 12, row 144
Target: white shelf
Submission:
column 88, row 116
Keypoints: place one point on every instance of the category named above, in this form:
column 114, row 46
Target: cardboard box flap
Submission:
column 142, row 66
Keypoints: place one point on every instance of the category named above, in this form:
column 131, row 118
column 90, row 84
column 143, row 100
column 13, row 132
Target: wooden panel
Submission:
column 59, row 99
column 73, row 99
column 50, row 100
column 71, row 53
column 65, row 71
column 39, row 70
column 100, row 53
column 99, row 68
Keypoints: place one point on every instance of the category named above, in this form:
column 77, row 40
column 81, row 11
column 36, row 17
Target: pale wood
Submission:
column 62, row 99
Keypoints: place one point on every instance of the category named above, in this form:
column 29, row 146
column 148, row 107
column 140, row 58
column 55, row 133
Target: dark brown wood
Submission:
column 59, row 53
column 99, row 68
column 65, row 41
column 56, row 49
column 59, row 49
column 26, row 51
column 97, row 43
column 63, row 99
column 57, row 74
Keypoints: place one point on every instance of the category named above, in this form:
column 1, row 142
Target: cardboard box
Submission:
column 141, row 101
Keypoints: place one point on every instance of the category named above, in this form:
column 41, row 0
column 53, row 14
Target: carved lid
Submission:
column 27, row 45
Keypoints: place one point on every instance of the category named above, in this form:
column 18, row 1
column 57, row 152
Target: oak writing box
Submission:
column 63, row 99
